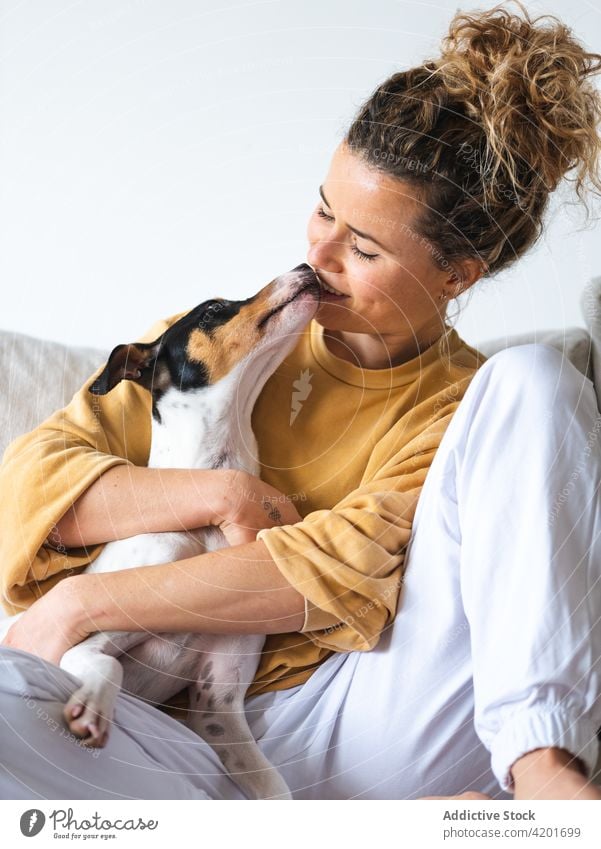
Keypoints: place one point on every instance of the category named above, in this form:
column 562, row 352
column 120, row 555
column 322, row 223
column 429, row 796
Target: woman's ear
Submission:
column 463, row 276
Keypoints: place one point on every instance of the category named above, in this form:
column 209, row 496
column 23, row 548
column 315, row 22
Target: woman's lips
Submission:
column 329, row 296
column 328, row 293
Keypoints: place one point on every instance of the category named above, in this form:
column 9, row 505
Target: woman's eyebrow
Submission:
column 354, row 229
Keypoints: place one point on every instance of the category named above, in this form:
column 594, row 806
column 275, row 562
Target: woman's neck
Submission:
column 377, row 351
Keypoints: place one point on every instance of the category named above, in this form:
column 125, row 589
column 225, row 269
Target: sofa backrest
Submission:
column 575, row 343
column 38, row 377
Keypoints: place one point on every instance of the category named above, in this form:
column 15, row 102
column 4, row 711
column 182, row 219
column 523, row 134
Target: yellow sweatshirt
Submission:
column 350, row 446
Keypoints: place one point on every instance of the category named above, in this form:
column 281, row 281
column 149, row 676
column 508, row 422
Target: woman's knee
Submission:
column 539, row 373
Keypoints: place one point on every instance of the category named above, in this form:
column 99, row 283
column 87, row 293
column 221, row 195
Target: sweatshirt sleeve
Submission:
column 348, row 561
column 45, row 471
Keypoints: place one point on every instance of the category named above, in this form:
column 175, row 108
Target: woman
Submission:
column 485, row 682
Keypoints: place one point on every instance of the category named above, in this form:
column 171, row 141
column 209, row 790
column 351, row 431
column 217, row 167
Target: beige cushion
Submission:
column 590, row 304
column 574, row 343
column 581, row 346
column 38, row 377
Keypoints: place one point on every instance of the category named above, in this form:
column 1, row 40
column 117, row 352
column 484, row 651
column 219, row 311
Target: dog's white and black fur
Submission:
column 204, row 374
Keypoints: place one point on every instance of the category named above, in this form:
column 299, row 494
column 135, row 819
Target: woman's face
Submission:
column 388, row 278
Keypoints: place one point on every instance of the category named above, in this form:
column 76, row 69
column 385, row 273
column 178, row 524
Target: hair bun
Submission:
column 485, row 132
column 525, row 83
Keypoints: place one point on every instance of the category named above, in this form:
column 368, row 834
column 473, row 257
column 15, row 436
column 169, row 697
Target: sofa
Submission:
column 38, row 376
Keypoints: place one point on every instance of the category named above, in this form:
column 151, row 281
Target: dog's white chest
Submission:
column 203, row 430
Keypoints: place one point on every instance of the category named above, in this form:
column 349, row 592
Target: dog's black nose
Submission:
column 304, row 266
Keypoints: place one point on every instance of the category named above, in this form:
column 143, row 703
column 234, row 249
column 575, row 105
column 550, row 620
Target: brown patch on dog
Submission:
column 221, row 352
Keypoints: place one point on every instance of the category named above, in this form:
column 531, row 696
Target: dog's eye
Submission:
column 208, row 312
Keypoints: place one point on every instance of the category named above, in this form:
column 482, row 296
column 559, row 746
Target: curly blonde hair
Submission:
column 486, row 131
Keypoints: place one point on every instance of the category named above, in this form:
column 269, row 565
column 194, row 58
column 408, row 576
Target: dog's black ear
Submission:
column 126, row 362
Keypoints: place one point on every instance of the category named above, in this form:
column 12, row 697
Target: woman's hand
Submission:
column 52, row 625
column 546, row 773
column 551, row 773
column 250, row 504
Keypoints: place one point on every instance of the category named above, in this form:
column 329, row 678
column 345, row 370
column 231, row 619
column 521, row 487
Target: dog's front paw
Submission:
column 88, row 714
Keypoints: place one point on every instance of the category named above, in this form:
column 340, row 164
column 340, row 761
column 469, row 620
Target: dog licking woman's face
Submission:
column 392, row 307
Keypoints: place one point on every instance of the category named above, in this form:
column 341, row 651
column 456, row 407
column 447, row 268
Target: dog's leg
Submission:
column 217, row 715
column 90, row 709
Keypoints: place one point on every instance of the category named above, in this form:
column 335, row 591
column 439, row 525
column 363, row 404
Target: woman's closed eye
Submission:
column 354, row 248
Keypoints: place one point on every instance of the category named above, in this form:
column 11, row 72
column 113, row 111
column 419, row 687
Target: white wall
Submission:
column 157, row 152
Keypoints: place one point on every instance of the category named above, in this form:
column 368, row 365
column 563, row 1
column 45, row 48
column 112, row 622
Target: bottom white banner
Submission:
column 299, row 824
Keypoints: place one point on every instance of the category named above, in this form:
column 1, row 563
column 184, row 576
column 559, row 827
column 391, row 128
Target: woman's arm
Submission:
column 127, row 500
column 236, row 590
column 130, row 500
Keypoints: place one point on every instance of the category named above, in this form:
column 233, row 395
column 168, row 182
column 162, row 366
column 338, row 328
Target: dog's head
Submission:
column 213, row 339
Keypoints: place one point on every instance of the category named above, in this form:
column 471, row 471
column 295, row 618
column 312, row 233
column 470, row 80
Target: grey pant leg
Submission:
column 149, row 755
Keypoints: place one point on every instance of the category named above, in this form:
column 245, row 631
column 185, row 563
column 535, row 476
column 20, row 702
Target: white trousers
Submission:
column 495, row 649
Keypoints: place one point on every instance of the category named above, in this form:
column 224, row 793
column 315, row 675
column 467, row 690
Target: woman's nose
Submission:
column 324, row 253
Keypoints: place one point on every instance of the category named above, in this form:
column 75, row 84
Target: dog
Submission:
column 204, row 374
